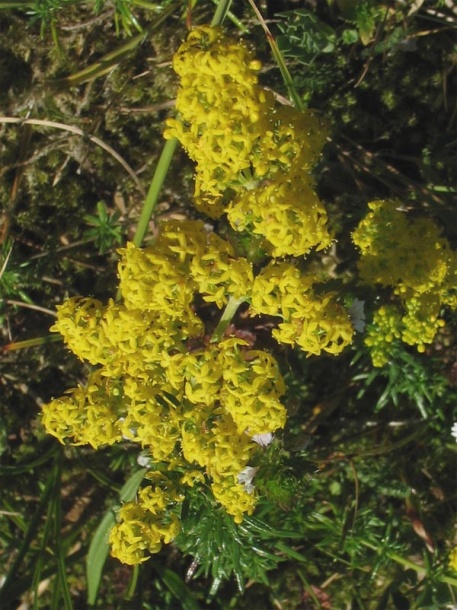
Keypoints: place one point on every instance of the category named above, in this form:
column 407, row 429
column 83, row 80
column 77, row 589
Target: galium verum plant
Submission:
column 417, row 264
column 199, row 406
column 198, row 400
column 253, row 157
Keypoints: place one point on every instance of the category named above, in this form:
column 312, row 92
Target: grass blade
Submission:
column 99, row 547
column 113, row 58
column 31, row 532
column 177, row 588
column 59, row 550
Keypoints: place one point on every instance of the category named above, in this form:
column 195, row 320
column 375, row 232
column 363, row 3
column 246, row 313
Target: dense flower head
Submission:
column 182, row 240
column 197, row 408
column 293, row 141
column 251, row 390
column 233, row 495
column 286, row 212
column 78, row 321
column 219, row 274
column 314, row 322
column 277, row 285
column 149, row 420
column 408, row 255
column 419, row 266
column 150, row 280
column 88, row 415
column 323, row 325
column 384, row 330
column 253, row 158
column 219, row 105
column 224, row 453
column 145, row 524
column 421, row 320
column 186, row 402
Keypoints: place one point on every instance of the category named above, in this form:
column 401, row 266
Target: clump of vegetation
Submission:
column 263, row 402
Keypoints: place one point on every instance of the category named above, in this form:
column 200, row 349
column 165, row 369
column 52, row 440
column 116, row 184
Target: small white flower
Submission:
column 357, row 315
column 144, row 461
column 245, row 478
column 263, row 439
column 454, row 431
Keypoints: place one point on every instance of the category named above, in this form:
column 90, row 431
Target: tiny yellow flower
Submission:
column 453, row 559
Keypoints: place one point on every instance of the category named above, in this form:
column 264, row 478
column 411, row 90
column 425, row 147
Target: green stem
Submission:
column 234, row 19
column 154, row 190
column 279, row 59
column 133, row 583
column 31, row 343
column 221, row 12
column 406, row 563
column 229, row 311
column 167, row 155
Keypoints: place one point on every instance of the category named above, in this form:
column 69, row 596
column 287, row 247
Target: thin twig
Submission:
column 5, row 262
column 295, row 98
column 31, row 306
column 79, row 132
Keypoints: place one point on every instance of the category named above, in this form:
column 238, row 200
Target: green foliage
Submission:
column 12, row 276
column 363, row 479
column 124, row 17
column 105, row 231
column 220, row 549
column 49, row 13
column 98, row 550
column 378, row 74
column 16, row 583
column 305, row 36
column 409, row 378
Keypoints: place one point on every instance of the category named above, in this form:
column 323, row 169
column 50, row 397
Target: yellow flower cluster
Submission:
column 453, row 559
column 412, row 258
column 158, row 383
column 314, row 322
column 146, row 523
column 88, row 415
column 252, row 158
column 386, row 327
column 194, row 406
column 286, row 212
column 220, row 107
column 219, row 274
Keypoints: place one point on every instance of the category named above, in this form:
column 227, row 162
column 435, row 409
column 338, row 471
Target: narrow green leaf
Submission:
column 37, row 573
column 30, row 343
column 221, row 12
column 59, row 549
column 291, row 553
column 19, row 468
column 29, row 536
column 129, row 490
column 177, row 588
column 99, row 547
column 96, row 557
